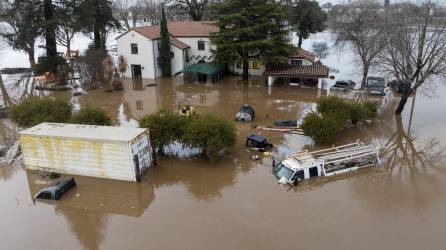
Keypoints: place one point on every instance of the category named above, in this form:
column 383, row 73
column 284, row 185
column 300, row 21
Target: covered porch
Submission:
column 298, row 75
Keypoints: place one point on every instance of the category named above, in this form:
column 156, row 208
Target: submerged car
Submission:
column 258, row 142
column 399, row 86
column 56, row 189
column 376, row 86
column 246, row 114
column 285, row 123
column 347, row 84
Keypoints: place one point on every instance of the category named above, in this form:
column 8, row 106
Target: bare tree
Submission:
column 152, row 11
column 359, row 27
column 320, row 49
column 193, row 8
column 125, row 7
column 415, row 51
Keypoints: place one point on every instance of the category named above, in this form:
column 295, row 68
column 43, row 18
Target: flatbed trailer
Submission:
column 326, row 162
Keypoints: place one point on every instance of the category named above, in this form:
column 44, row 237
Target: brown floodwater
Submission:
column 236, row 203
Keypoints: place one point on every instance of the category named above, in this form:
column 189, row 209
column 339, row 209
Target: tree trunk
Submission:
column 245, row 69
column 300, row 42
column 365, row 73
column 50, row 31
column 32, row 61
column 96, row 37
column 403, row 102
column 68, row 45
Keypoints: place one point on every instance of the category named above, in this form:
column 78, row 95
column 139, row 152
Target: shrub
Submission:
column 165, row 127
column 371, row 109
column 214, row 135
column 46, row 64
column 34, row 110
column 322, row 128
column 333, row 114
column 91, row 116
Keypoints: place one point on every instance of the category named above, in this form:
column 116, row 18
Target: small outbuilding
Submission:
column 98, row 151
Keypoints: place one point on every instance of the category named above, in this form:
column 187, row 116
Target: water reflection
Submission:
column 88, row 206
column 203, row 180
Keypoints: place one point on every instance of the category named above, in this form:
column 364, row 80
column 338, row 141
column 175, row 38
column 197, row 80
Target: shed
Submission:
column 98, row 151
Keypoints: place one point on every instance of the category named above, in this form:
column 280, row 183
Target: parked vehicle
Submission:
column 327, row 162
column 399, row 86
column 285, row 123
column 376, row 86
column 56, row 189
column 258, row 142
column 347, row 84
column 246, row 114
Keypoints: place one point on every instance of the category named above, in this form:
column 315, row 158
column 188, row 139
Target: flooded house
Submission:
column 189, row 45
column 98, row 151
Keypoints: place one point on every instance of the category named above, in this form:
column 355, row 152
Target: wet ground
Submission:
column 236, row 203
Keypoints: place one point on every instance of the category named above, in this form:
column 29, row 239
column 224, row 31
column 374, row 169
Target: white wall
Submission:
column 193, row 51
column 177, row 62
column 144, row 56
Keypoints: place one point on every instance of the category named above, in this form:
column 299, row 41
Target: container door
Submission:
column 141, row 149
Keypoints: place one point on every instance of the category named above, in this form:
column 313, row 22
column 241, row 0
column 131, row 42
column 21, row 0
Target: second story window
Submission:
column 134, row 48
column 201, row 45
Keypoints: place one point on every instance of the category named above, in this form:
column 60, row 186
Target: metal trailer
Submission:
column 326, row 162
column 97, row 151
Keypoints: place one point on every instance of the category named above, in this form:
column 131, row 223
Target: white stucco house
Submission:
column 189, row 44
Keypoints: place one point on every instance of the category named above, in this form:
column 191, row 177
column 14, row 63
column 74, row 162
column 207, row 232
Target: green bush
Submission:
column 46, row 64
column 322, row 128
column 34, row 110
column 214, row 135
column 165, row 127
column 371, row 109
column 333, row 114
column 91, row 116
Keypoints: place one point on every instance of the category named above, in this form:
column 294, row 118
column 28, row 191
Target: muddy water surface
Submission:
column 236, row 203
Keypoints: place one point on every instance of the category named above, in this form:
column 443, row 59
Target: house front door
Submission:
column 136, row 71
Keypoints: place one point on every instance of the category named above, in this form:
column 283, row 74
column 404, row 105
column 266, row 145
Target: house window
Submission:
column 134, row 48
column 201, row 45
column 252, row 64
column 296, row 62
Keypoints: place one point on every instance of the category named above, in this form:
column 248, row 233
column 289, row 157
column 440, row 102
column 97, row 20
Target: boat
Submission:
column 327, row 162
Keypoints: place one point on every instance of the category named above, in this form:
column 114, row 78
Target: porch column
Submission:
column 320, row 83
column 270, row 81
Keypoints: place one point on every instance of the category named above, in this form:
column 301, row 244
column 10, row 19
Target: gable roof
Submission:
column 303, row 54
column 177, row 29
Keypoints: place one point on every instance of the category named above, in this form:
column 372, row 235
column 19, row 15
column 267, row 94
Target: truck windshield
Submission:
column 283, row 171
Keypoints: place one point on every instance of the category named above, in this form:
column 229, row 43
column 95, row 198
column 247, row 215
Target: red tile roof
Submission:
column 178, row 29
column 303, row 54
column 287, row 70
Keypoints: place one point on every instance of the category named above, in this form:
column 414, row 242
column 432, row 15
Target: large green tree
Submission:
column 250, row 29
column 20, row 26
column 306, row 18
column 96, row 16
column 164, row 56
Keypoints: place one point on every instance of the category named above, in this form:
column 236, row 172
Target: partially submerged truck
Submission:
column 327, row 162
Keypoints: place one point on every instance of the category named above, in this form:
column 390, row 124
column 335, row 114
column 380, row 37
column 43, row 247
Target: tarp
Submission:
column 202, row 68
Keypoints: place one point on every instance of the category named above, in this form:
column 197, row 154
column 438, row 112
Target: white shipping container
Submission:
column 98, row 151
